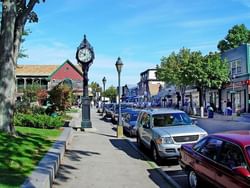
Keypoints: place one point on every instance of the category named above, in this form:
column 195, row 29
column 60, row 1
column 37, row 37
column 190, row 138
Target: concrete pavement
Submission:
column 96, row 158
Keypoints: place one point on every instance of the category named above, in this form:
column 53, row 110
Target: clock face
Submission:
column 84, row 55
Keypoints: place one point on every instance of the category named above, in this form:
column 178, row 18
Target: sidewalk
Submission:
column 245, row 117
column 97, row 159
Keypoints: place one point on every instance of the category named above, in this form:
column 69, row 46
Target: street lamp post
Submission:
column 103, row 95
column 119, row 65
column 85, row 56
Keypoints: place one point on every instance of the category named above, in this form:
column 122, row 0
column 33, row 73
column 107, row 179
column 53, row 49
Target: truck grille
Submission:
column 188, row 138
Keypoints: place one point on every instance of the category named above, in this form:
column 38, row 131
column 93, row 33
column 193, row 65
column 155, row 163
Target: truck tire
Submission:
column 155, row 155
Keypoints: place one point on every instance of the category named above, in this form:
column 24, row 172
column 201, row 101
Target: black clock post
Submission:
column 85, row 56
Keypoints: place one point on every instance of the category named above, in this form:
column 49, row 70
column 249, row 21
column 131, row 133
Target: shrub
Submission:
column 61, row 97
column 27, row 108
column 38, row 110
column 23, row 107
column 37, row 121
column 42, row 95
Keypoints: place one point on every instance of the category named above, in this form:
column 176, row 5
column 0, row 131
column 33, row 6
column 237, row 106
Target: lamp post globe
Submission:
column 85, row 57
column 119, row 65
column 104, row 80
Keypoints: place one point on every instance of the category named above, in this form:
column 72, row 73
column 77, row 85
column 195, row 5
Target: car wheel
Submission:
column 192, row 179
column 155, row 154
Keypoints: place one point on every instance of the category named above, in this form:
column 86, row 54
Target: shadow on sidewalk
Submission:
column 76, row 155
column 62, row 173
column 123, row 145
column 108, row 135
column 64, row 170
column 154, row 175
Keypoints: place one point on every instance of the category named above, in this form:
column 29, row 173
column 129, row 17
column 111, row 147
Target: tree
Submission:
column 236, row 36
column 193, row 69
column 95, row 89
column 22, row 50
column 208, row 71
column 111, row 93
column 30, row 93
column 15, row 15
column 174, row 70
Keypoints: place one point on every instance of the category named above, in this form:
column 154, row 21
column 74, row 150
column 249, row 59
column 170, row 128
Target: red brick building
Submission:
column 49, row 76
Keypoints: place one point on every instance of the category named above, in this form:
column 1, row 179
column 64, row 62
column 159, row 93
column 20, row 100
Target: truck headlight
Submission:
column 203, row 135
column 164, row 140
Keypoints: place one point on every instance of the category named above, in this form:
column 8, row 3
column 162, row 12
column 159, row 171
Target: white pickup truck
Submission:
column 164, row 130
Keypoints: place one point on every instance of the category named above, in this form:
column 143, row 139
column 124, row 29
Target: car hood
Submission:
column 179, row 130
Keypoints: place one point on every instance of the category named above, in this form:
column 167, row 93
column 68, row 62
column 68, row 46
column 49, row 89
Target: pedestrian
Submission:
column 224, row 107
column 229, row 103
column 194, row 108
column 92, row 103
column 79, row 102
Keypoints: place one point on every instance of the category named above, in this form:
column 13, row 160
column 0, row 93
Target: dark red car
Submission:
column 222, row 159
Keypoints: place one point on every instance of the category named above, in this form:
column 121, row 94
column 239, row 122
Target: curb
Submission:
column 155, row 166
column 44, row 174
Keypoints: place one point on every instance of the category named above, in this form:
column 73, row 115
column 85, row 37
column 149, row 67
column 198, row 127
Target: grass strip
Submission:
column 20, row 154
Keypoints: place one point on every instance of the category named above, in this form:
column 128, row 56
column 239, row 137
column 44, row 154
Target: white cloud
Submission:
column 51, row 54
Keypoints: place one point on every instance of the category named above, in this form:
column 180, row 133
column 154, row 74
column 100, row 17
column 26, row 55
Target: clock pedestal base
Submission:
column 86, row 123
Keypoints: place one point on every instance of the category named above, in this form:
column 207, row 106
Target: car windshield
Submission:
column 171, row 119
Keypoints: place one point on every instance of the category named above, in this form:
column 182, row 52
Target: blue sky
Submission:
column 141, row 32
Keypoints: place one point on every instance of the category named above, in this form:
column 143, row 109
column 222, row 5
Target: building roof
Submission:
column 77, row 68
column 35, row 70
column 144, row 72
column 40, row 70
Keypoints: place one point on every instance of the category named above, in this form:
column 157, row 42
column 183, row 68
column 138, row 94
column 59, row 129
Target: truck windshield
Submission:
column 171, row 119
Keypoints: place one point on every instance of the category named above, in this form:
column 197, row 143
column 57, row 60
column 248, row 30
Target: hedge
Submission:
column 38, row 121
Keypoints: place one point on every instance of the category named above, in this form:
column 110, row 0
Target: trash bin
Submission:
column 229, row 111
column 210, row 112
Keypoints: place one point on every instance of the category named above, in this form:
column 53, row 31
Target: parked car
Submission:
column 223, row 159
column 115, row 111
column 129, row 122
column 108, row 108
column 164, row 130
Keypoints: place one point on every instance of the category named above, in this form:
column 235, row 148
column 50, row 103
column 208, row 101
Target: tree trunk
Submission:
column 201, row 92
column 182, row 90
column 7, row 64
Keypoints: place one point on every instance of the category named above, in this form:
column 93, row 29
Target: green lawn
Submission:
column 19, row 155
